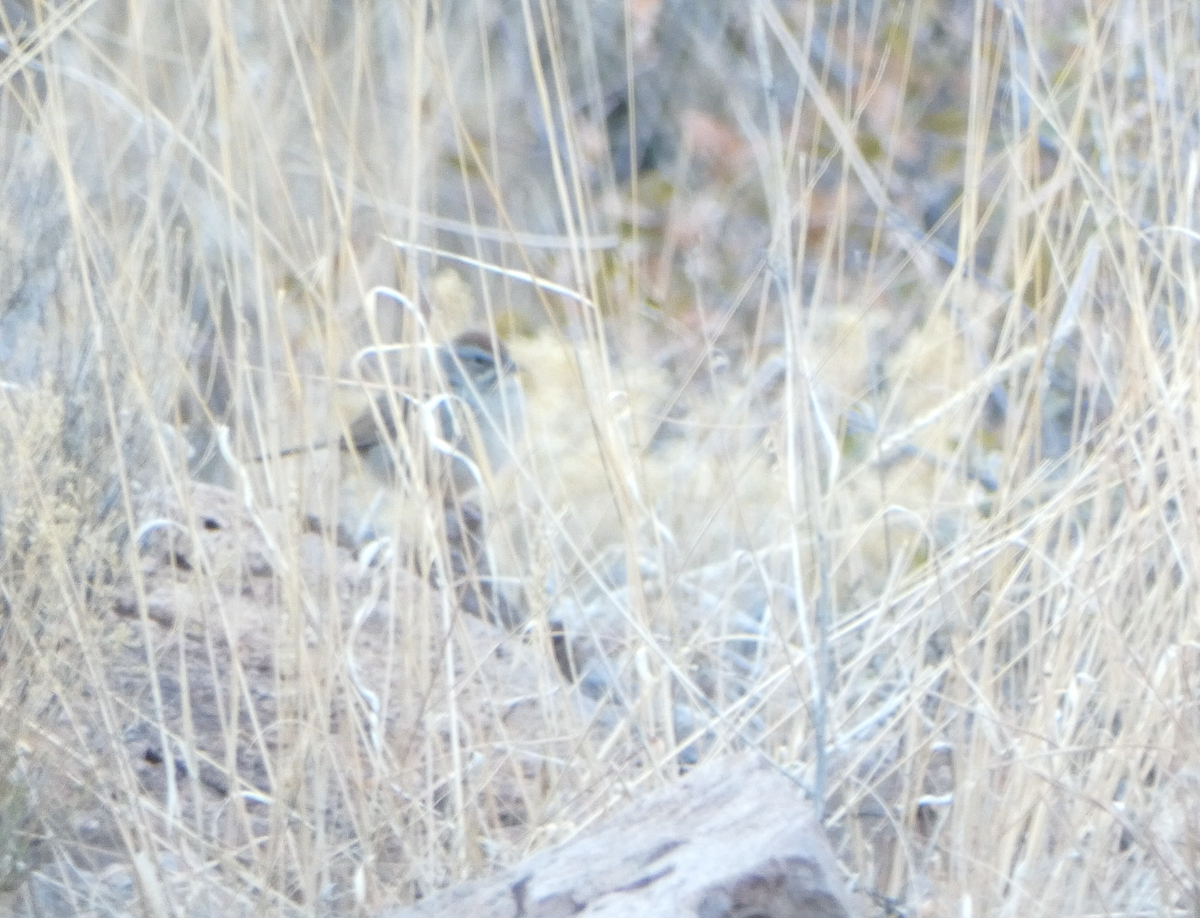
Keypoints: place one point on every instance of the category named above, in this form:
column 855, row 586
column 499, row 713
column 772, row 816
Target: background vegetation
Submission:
column 860, row 349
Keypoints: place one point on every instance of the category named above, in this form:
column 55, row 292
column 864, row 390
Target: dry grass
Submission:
column 911, row 512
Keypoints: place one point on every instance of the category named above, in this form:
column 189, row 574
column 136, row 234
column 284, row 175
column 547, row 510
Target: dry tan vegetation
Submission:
column 860, row 347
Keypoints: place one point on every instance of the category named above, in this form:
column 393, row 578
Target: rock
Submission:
column 734, row 838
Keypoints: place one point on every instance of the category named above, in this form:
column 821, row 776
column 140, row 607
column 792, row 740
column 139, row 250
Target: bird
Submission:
column 474, row 422
column 470, row 429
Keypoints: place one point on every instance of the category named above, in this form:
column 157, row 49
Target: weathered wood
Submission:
column 733, row 839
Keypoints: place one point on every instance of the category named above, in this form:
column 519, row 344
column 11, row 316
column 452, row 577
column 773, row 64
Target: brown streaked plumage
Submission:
column 480, row 415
